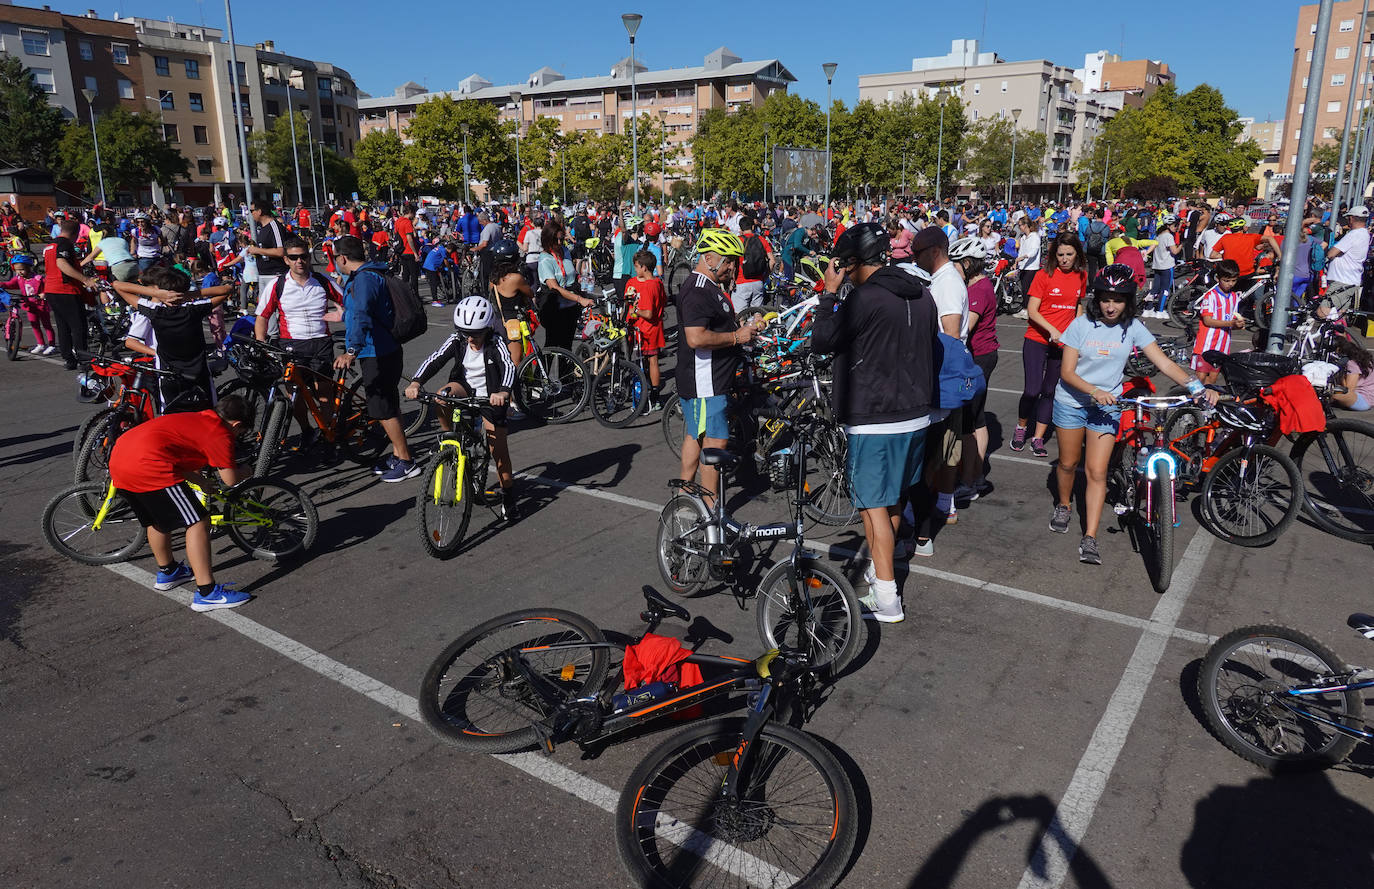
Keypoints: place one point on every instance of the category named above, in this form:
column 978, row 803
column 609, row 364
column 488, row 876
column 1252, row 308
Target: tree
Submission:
column 917, row 125
column 989, row 164
column 539, row 148
column 132, row 152
column 32, row 128
column 382, row 164
column 339, row 175
column 435, row 152
column 271, row 148
column 598, row 165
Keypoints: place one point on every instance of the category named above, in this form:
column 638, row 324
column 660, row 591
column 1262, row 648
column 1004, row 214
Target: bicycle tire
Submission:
column 417, row 417
column 1238, row 717
column 682, row 521
column 1340, row 502
column 1183, row 439
column 828, row 499
column 831, row 634
column 666, row 844
column 1162, row 521
column 93, row 463
column 448, row 711
column 84, row 431
column 674, row 424
column 270, row 445
column 68, row 525
column 677, row 276
column 294, row 520
column 1225, row 497
column 442, row 510
column 1180, row 307
column 551, row 383
column 619, row 394
column 14, row 333
column 359, row 437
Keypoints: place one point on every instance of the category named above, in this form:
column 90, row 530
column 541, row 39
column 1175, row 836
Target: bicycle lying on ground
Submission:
column 733, row 801
column 459, row 473
column 1283, row 700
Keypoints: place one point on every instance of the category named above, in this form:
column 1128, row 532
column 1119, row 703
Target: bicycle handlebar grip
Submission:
column 771, row 413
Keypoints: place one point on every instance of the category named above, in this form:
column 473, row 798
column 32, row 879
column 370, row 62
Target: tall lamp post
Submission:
column 1341, row 179
column 765, row 162
column 663, row 183
column 284, row 73
column 1011, row 175
column 1106, row 167
column 324, row 186
column 631, row 21
column 309, row 143
column 99, row 170
column 829, row 69
column 942, row 95
column 519, row 173
column 467, row 169
column 236, row 82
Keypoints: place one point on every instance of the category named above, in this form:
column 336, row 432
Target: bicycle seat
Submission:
column 659, row 604
column 1362, row 623
column 717, row 457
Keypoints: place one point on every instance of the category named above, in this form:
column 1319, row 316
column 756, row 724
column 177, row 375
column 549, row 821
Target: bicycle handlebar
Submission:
column 1157, row 401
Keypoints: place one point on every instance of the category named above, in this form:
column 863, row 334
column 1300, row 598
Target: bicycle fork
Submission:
column 1152, row 472
column 460, row 473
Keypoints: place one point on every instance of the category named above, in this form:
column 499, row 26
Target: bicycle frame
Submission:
column 1159, row 460
column 1285, row 697
column 464, row 438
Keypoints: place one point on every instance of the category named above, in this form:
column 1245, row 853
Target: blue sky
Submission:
column 1247, row 56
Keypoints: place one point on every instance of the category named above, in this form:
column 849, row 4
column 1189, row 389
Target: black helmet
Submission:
column 504, row 249
column 1116, row 278
column 866, row 243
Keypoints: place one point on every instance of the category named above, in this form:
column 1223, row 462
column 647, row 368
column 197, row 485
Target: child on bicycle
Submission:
column 482, row 368
column 1219, row 316
column 30, row 289
column 644, row 295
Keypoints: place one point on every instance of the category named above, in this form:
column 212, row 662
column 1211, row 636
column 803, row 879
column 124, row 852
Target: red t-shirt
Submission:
column 303, row 218
column 740, row 277
column 647, row 295
column 405, row 230
column 1240, row 248
column 1059, row 294
column 163, row 451
column 54, row 280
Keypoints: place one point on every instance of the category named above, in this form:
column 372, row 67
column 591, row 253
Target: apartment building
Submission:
column 71, row 53
column 1269, row 136
column 1344, row 62
column 1047, row 97
column 1123, row 83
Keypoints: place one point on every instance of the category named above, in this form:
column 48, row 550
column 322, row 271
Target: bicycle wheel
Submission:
column 552, row 384
column 417, row 417
column 14, row 333
column 94, row 421
column 794, row 822
column 472, row 699
column 829, row 633
column 674, row 425
column 1241, row 684
column 77, row 525
column 360, row 437
column 1251, row 496
column 93, row 463
column 677, row 277
column 1181, row 310
column 273, row 431
column 1186, row 435
column 1337, row 469
column 443, row 507
column 1162, row 524
column 827, row 480
column 682, row 544
column 272, row 520
column 619, row 394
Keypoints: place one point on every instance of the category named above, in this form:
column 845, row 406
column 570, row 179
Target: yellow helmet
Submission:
column 718, row 240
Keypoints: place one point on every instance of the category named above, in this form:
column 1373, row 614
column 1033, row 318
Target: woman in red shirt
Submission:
column 1055, row 299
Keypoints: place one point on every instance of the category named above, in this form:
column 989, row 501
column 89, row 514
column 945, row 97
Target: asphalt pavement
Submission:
column 1032, row 723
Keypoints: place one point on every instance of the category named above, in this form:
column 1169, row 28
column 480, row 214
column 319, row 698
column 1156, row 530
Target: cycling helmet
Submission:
column 633, row 221
column 866, row 243
column 1238, row 224
column 21, row 259
column 1169, row 219
column 504, row 249
column 968, row 248
column 472, row 315
column 718, row 240
column 652, row 229
column 1116, row 278
column 1222, row 219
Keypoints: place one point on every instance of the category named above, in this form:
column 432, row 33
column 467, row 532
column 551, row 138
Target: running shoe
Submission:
column 170, row 580
column 1018, row 439
column 220, row 597
column 382, row 466
column 400, row 471
column 1038, row 448
column 1059, row 520
column 893, row 614
column 1087, row 551
column 37, row 350
column 926, row 549
column 48, row 350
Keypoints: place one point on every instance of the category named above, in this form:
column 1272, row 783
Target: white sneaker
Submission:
column 36, row 350
column 870, row 576
column 892, row 614
column 48, row 350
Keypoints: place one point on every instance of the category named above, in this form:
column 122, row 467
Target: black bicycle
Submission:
column 737, row 801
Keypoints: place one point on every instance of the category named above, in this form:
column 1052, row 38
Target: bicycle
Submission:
column 14, row 325
column 270, row 519
column 754, row 789
column 1281, row 699
column 619, row 389
column 459, row 473
column 697, row 542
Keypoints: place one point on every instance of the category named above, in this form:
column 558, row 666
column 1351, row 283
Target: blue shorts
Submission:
column 1360, row 403
column 706, row 416
column 1094, row 416
column 882, row 467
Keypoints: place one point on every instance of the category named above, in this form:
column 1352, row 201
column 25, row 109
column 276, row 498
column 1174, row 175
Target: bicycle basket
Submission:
column 1252, row 371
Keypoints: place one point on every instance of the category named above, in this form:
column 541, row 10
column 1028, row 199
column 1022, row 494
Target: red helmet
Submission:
column 652, row 229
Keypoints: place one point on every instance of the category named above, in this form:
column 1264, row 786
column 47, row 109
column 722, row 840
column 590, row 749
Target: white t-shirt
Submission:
column 1348, row 268
column 302, row 307
column 475, row 370
column 1208, row 242
column 1028, row 252
column 141, row 329
column 1164, row 257
column 534, row 245
column 951, row 295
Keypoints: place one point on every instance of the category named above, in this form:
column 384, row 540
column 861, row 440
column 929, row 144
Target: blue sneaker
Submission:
column 401, row 470
column 383, row 466
column 220, row 597
column 170, row 580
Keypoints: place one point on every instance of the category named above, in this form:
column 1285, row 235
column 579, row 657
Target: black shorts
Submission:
column 316, row 353
column 496, row 416
column 382, row 383
column 167, row 509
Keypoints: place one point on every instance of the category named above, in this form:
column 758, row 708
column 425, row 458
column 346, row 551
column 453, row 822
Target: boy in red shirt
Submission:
column 644, row 293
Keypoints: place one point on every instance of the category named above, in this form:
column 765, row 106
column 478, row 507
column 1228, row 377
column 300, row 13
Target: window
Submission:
column 162, row 66
column 196, row 101
column 169, row 132
column 1293, row 159
column 1342, row 52
column 90, row 84
column 35, row 42
column 205, row 166
column 201, row 135
column 1333, row 106
column 1329, row 132
column 1301, row 106
column 1297, row 134
column 43, row 77
column 271, row 107
column 120, row 53
column 1314, row 28
column 242, row 71
column 977, row 89
column 1338, row 80
column 1304, row 83
column 87, row 51
column 1309, row 55
column 192, row 69
column 975, row 113
column 326, row 86
column 326, row 111
column 126, row 89
column 891, row 94
column 168, row 100
column 1347, row 25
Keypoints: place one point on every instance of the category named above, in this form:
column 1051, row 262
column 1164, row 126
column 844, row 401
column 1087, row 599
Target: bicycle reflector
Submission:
column 568, row 672
column 1161, row 457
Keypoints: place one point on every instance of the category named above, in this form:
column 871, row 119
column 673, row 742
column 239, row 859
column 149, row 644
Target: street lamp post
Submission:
column 1106, row 167
column 284, row 73
column 161, row 112
column 314, row 187
column 563, row 164
column 467, row 170
column 324, row 186
column 943, row 96
column 663, row 183
column 829, row 69
column 238, row 117
column 765, row 163
column 631, row 21
column 519, row 172
column 1011, row 175
column 99, row 170
column 1341, row 178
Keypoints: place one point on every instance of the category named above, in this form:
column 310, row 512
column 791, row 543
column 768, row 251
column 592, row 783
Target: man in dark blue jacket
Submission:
column 882, row 335
column 368, row 316
column 469, row 228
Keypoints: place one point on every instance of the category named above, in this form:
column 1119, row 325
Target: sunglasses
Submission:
column 298, row 257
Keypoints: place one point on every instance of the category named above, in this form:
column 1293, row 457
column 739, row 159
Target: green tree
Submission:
column 598, row 165
column 539, row 148
column 132, row 152
column 32, row 128
column 382, row 164
column 435, row 152
column 340, row 179
column 989, row 164
column 271, row 148
column 917, row 125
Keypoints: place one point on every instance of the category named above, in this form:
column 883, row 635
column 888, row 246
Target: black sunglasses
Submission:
column 298, row 257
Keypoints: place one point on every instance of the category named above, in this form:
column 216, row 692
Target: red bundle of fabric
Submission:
column 1299, row 408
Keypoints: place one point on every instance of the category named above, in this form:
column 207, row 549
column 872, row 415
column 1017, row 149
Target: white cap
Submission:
column 1359, row 211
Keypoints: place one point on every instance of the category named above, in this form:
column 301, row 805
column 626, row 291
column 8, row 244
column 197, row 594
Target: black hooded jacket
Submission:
column 883, row 337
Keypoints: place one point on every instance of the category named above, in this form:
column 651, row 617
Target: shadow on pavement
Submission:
column 589, row 465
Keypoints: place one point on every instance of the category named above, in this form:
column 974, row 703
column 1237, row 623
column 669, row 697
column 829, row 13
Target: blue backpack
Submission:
column 961, row 380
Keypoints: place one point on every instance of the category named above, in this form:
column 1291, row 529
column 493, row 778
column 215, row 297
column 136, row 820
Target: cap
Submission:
column 1359, row 211
column 930, row 236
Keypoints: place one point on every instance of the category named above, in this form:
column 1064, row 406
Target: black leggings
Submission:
column 410, row 273
column 1041, row 363
column 559, row 324
column 69, row 321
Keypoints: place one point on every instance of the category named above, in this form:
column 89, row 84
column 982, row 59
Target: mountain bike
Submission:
column 459, row 473
column 619, row 390
column 1283, row 700
column 725, row 794
column 270, row 519
column 802, row 596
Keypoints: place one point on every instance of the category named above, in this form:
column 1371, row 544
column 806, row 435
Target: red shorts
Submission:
column 1201, row 366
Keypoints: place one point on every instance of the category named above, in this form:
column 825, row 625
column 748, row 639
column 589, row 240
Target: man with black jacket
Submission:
column 883, row 336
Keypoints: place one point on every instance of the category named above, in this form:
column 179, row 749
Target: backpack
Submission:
column 1317, row 258
column 960, row 378
column 408, row 313
column 1097, row 237
column 755, row 265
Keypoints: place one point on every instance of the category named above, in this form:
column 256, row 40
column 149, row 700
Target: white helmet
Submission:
column 472, row 315
column 1169, row 219
column 968, row 248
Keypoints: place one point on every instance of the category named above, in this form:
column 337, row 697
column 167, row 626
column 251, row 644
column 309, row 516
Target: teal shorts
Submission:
column 706, row 416
column 882, row 467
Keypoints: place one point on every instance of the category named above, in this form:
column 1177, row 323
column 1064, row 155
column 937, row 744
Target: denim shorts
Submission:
column 882, row 467
column 706, row 416
column 1092, row 415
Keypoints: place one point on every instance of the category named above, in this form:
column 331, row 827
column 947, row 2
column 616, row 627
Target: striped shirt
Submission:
column 1221, row 306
